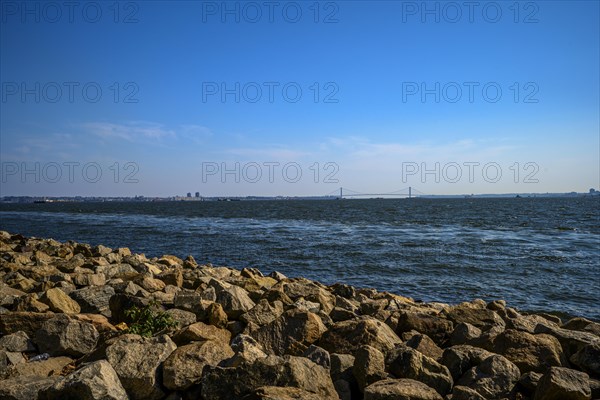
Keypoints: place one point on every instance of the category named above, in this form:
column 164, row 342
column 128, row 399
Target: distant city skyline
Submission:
column 241, row 99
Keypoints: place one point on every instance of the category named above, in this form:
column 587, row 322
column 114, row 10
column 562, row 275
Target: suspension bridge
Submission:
column 344, row 193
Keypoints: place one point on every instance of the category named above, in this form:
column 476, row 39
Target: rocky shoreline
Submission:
column 90, row 322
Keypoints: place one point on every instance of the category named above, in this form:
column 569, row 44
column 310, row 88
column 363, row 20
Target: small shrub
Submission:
column 147, row 321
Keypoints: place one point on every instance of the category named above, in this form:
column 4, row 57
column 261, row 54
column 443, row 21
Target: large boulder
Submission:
column 184, row 366
column 348, row 336
column 95, row 381
column 291, row 333
column 494, row 378
column 234, row 299
column 459, row 359
column 137, row 362
column 263, row 312
column 309, row 290
column 529, row 352
column 571, row 341
column 476, row 316
column 232, row 383
column 563, row 384
column 247, row 350
column 436, row 327
column 400, row 389
column 66, row 336
column 406, row 362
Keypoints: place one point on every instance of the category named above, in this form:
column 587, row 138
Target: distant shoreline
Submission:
column 75, row 199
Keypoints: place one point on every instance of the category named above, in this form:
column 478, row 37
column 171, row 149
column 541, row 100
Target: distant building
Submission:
column 197, row 194
column 189, row 194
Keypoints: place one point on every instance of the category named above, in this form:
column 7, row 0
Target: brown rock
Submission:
column 220, row 383
column 406, row 362
column 426, row 346
column 529, row 352
column 369, row 366
column 494, row 378
column 291, row 333
column 347, row 336
column 437, row 328
column 28, row 322
column 588, row 359
column 400, row 389
column 184, row 366
column 563, row 384
column 459, row 359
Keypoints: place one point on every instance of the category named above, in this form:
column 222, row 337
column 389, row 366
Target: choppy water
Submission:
column 539, row 254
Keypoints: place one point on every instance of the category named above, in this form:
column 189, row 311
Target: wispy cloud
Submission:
column 130, row 131
column 269, row 153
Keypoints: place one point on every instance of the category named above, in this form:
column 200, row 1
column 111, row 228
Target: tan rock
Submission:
column 60, row 302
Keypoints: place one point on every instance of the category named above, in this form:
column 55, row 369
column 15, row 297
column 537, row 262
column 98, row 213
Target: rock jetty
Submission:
column 90, row 322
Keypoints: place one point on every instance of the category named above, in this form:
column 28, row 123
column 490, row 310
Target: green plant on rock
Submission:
column 147, row 322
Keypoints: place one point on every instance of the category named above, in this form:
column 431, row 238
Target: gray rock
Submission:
column 184, row 318
column 137, row 362
column 563, row 384
column 94, row 381
column 94, row 299
column 64, row 335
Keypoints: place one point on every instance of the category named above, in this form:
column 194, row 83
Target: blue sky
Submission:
column 239, row 98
